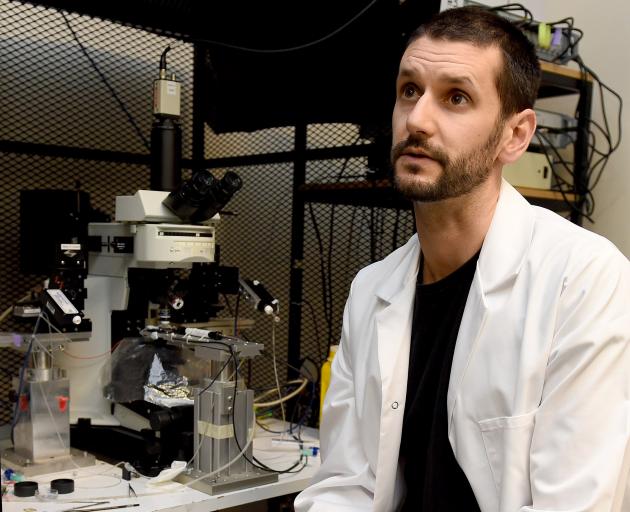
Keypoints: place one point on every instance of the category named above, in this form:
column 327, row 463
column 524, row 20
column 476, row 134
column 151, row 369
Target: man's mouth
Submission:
column 416, row 153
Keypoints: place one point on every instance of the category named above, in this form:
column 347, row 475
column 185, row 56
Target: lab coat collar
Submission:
column 507, row 241
column 407, row 269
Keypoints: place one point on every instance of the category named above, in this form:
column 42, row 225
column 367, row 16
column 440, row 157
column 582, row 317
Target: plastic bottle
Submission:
column 324, row 380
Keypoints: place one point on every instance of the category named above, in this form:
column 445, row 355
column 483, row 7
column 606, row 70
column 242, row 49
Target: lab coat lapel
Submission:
column 393, row 319
column 502, row 254
column 393, row 325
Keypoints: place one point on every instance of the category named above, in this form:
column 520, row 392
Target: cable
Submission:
column 315, row 326
column 238, row 302
column 256, row 462
column 212, row 473
column 232, row 414
column 269, row 390
column 310, row 377
column 603, row 86
column 515, row 7
column 292, row 48
column 227, row 303
column 9, row 310
column 322, row 268
column 562, row 191
column 282, row 399
column 205, row 433
column 107, row 84
column 612, row 146
column 275, row 367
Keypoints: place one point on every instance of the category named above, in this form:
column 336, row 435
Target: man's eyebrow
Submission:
column 405, row 72
column 462, row 80
column 457, row 80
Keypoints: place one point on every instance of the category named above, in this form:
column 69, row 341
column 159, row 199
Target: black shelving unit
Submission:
column 556, row 81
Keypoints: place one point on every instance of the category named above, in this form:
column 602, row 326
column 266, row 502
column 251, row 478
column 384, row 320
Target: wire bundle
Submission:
column 598, row 151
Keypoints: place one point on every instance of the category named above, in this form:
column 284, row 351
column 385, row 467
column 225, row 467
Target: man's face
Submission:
column 446, row 121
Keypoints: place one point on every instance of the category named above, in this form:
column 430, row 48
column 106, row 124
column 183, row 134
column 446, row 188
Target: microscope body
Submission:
column 145, row 245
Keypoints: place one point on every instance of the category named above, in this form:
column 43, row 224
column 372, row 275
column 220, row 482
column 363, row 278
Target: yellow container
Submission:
column 324, row 379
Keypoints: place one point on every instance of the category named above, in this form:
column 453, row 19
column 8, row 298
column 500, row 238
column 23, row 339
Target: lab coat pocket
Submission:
column 507, row 441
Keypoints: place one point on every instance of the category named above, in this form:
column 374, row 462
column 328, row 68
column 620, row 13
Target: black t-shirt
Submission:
column 435, row 482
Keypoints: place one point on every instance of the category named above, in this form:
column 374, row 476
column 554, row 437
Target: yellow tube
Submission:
column 324, row 380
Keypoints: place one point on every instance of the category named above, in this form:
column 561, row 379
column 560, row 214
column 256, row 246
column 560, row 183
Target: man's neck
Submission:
column 452, row 231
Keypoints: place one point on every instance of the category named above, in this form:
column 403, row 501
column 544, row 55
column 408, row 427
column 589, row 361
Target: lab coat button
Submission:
column 395, row 405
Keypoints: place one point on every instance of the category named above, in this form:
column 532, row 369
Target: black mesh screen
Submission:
column 76, row 113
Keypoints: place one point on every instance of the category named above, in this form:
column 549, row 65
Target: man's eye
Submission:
column 458, row 98
column 408, row 91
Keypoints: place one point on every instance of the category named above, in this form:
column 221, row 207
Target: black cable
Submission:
column 515, row 7
column 256, row 462
column 107, row 84
column 573, row 42
column 586, row 213
column 238, row 301
column 293, row 48
column 596, row 170
column 292, row 423
column 316, row 327
column 308, row 376
column 605, row 134
column 602, row 86
column 215, row 377
column 227, row 303
column 322, row 268
column 603, row 161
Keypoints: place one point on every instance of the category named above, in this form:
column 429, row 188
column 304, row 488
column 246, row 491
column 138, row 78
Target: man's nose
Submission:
column 421, row 118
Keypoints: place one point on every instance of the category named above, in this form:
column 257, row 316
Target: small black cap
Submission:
column 63, row 485
column 25, row 489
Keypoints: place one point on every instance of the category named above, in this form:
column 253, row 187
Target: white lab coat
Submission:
column 539, row 396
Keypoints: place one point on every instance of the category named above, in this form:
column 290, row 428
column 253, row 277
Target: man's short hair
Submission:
column 518, row 80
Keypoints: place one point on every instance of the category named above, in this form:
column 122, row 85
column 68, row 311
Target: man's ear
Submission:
column 520, row 129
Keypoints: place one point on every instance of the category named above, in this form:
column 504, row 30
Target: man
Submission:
column 485, row 364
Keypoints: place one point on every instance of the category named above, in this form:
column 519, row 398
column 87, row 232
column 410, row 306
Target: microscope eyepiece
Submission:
column 202, row 196
column 190, row 195
column 221, row 193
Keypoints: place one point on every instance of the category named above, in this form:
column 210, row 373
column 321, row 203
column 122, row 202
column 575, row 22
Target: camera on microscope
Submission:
column 201, row 197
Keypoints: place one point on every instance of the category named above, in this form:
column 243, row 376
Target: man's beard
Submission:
column 459, row 175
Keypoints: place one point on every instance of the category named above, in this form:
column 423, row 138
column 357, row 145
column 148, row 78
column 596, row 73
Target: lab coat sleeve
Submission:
column 580, row 455
column 344, row 482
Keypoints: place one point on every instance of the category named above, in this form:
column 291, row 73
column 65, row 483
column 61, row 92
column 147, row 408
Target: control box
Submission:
column 532, row 170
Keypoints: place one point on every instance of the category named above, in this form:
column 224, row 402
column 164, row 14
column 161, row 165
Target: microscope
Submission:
column 132, row 275
column 151, row 272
